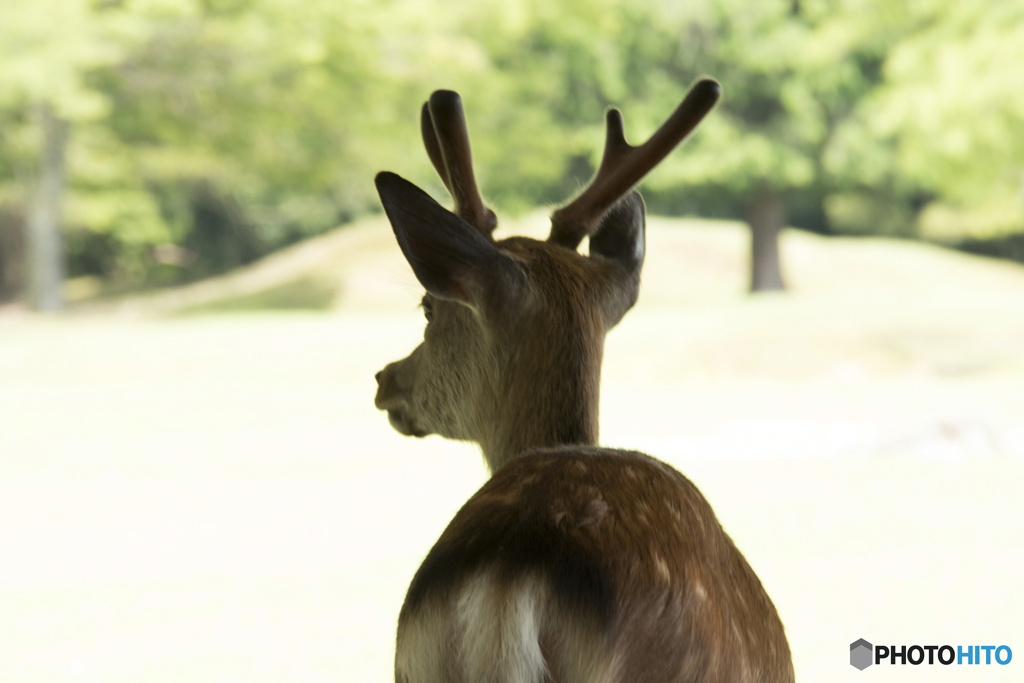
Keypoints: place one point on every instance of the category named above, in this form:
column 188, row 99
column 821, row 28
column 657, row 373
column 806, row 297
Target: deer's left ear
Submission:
column 619, row 241
column 450, row 258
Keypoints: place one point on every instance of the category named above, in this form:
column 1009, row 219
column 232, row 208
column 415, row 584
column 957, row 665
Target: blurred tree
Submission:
column 793, row 74
column 45, row 249
column 46, row 47
column 952, row 108
column 252, row 125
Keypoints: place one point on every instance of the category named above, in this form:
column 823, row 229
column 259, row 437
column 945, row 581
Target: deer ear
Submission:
column 619, row 240
column 449, row 257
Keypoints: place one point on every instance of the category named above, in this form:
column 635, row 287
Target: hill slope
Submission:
column 689, row 262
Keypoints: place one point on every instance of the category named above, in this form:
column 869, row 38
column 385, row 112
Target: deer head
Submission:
column 511, row 354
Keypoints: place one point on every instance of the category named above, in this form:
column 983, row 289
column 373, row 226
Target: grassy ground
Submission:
column 190, row 496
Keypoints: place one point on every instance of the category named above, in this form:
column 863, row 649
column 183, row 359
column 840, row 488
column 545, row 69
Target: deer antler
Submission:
column 443, row 124
column 623, row 165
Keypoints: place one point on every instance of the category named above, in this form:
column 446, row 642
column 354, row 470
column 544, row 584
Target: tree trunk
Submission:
column 12, row 252
column 43, row 238
column 766, row 215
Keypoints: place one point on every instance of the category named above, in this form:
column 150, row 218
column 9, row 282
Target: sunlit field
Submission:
column 194, row 488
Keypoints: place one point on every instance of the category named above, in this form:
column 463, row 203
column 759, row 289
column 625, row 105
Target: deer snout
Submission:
column 393, row 393
column 389, row 394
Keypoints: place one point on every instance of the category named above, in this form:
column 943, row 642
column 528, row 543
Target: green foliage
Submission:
column 224, row 129
column 869, row 214
column 953, row 104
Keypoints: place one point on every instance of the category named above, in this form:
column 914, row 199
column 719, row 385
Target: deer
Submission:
column 573, row 563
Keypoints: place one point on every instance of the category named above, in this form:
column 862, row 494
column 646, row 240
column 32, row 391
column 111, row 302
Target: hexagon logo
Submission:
column 860, row 654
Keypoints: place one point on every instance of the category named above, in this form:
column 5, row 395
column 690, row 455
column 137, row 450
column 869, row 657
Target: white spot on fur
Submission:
column 662, row 567
column 677, row 515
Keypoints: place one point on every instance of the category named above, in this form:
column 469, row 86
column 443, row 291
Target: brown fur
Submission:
column 573, row 563
column 626, row 545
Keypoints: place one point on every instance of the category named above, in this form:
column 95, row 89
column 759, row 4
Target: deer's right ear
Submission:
column 450, row 258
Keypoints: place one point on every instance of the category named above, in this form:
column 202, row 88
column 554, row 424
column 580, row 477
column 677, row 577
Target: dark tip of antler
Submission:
column 707, row 88
column 616, row 135
column 446, row 103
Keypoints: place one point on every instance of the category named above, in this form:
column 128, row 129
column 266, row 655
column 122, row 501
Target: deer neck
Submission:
column 546, row 405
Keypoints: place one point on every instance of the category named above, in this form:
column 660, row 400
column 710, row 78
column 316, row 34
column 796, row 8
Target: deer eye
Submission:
column 428, row 308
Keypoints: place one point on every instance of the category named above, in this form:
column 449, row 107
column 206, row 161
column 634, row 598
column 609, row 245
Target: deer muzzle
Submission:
column 393, row 392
